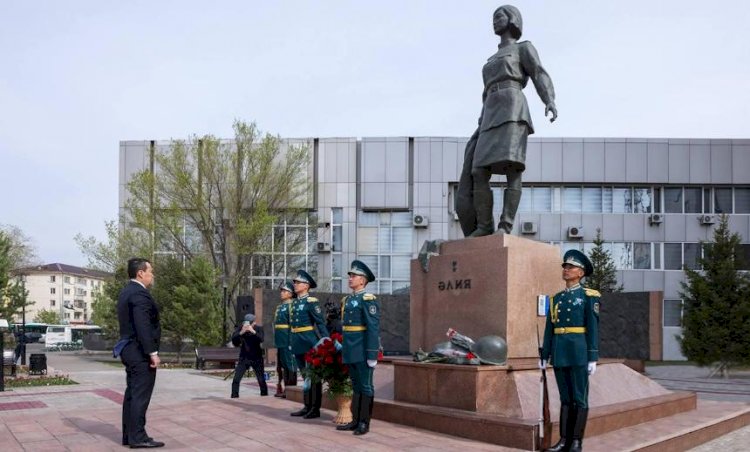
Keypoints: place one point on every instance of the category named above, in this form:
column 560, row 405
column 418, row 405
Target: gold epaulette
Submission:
column 368, row 297
column 343, row 299
column 592, row 293
column 312, row 300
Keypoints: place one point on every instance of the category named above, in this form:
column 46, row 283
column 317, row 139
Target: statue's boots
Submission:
column 365, row 414
column 356, row 401
column 308, row 404
column 483, row 207
column 317, row 398
column 511, row 200
column 565, row 426
column 579, row 428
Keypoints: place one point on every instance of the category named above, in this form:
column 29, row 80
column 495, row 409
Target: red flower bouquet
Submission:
column 325, row 364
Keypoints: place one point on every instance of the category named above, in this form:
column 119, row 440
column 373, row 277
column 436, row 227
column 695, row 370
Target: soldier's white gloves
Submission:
column 592, row 367
column 338, row 345
column 372, row 362
column 542, row 364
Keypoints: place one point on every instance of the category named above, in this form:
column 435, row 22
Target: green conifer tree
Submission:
column 604, row 277
column 716, row 319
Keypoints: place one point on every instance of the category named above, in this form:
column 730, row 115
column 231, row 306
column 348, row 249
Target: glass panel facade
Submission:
column 542, row 201
column 642, row 200
column 385, row 246
column 622, row 200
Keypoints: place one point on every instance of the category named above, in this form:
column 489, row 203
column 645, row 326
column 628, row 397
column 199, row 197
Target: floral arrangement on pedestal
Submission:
column 325, row 364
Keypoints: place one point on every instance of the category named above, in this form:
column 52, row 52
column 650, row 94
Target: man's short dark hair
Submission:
column 135, row 265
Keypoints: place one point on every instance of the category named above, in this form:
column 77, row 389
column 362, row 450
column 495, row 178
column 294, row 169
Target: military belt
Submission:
column 281, row 326
column 302, row 329
column 570, row 329
column 505, row 84
column 355, row 328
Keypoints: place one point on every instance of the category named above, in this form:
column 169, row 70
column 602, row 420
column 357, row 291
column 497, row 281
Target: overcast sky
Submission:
column 76, row 77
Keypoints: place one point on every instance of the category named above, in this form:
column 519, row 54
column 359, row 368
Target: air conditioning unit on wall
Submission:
column 528, row 227
column 706, row 219
column 324, row 247
column 420, row 221
column 655, row 218
column 575, row 232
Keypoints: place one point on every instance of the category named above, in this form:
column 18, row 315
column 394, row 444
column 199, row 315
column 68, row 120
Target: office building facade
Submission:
column 378, row 199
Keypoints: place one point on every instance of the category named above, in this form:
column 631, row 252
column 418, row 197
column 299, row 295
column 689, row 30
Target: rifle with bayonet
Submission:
column 545, row 424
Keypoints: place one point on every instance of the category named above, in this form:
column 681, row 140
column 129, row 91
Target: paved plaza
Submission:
column 191, row 410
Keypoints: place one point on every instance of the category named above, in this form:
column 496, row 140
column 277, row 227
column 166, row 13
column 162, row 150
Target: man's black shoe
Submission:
column 147, row 445
column 262, row 394
column 235, row 396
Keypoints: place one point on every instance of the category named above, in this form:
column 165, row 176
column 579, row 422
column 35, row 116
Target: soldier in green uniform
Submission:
column 360, row 317
column 286, row 367
column 308, row 326
column 571, row 340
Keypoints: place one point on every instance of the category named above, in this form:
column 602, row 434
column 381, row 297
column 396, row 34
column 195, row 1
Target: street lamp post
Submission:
column 23, row 321
column 224, row 318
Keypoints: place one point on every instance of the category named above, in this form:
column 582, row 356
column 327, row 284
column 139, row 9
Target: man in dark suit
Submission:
column 138, row 349
column 248, row 338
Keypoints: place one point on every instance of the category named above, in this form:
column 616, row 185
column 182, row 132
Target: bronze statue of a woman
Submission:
column 498, row 146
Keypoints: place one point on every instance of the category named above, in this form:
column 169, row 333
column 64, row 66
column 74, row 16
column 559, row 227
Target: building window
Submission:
column 673, row 200
column 52, row 303
column 642, row 256
column 742, row 200
column 572, row 199
column 673, row 256
column 52, row 290
column 691, row 255
column 693, row 200
column 66, row 291
column 642, row 200
column 292, row 246
column 67, row 315
column 67, row 279
column 744, row 257
column 77, row 316
column 672, row 313
column 384, row 243
column 722, row 200
column 52, row 278
column 592, row 199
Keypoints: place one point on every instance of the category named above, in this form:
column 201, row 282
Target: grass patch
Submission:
column 42, row 380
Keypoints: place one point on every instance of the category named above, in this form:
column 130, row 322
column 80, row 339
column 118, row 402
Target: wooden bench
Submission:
column 221, row 355
column 9, row 362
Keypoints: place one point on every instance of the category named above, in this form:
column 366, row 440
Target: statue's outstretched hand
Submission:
column 551, row 108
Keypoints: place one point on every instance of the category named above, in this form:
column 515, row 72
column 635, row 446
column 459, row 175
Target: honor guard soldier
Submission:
column 571, row 340
column 286, row 367
column 308, row 326
column 360, row 316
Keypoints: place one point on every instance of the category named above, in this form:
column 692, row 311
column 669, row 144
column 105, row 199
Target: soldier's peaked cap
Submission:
column 577, row 258
column 287, row 285
column 360, row 268
column 303, row 276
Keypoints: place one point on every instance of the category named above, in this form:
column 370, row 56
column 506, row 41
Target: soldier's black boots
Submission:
column 579, row 428
column 308, row 404
column 565, row 426
column 365, row 413
column 356, row 400
column 316, row 394
column 290, row 378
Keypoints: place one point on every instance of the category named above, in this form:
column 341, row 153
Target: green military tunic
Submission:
column 360, row 318
column 306, row 323
column 571, row 341
column 282, row 335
